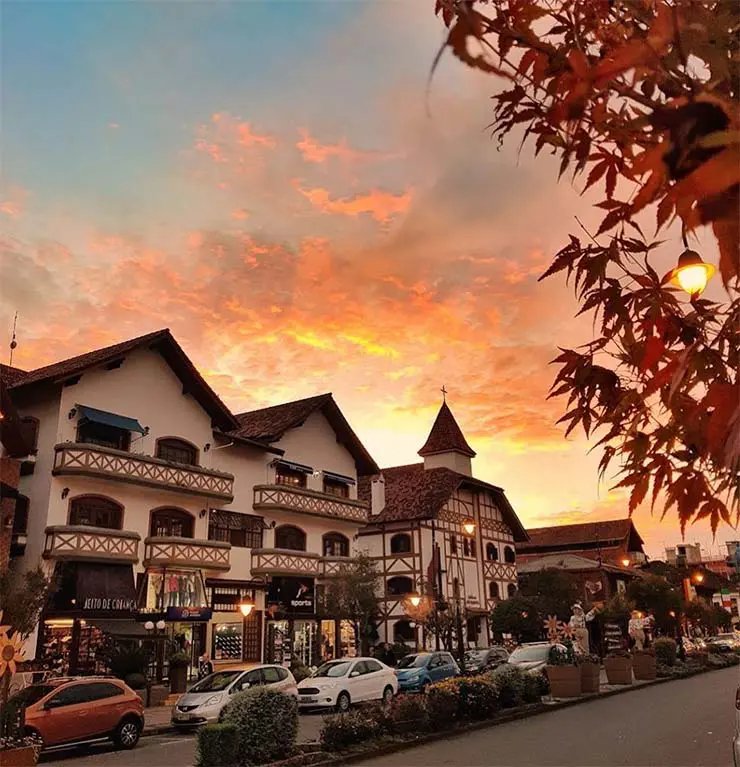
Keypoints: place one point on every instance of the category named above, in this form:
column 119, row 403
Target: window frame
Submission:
column 509, row 555
column 288, row 477
column 221, row 529
column 491, row 547
column 401, row 536
column 337, row 538
column 177, row 443
column 281, row 530
column 396, row 578
column 121, row 442
column 493, row 585
column 114, row 507
column 162, row 510
column 335, row 488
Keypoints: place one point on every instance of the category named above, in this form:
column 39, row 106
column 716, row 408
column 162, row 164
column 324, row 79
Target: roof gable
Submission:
column 446, row 436
column 584, row 533
column 160, row 341
column 268, row 424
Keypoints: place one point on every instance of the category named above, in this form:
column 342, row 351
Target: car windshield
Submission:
column 335, row 668
column 216, row 682
column 529, row 654
column 33, row 694
column 476, row 655
column 414, row 661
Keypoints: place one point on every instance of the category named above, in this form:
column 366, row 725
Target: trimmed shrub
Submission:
column 217, row 746
column 340, row 731
column 408, row 714
column 443, row 703
column 510, row 682
column 267, row 721
column 125, row 660
column 478, row 697
column 136, row 681
column 665, row 651
column 533, row 687
column 382, row 715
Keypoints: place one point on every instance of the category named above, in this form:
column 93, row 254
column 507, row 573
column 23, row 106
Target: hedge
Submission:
column 217, row 746
column 443, row 703
column 478, row 698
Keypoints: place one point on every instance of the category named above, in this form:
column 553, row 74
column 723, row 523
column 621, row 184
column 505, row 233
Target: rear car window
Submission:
column 270, row 675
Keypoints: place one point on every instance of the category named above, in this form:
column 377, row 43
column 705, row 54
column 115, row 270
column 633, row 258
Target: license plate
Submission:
column 185, row 717
column 304, row 699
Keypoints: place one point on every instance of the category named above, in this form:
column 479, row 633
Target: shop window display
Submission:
column 227, row 641
column 173, row 588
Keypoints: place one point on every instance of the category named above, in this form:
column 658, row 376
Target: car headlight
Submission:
column 211, row 701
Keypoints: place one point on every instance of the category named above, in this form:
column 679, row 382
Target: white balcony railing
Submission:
column 80, row 542
column 118, row 465
column 285, row 562
column 287, row 498
column 187, row 552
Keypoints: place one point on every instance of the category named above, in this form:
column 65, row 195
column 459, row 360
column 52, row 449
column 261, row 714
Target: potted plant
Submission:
column 562, row 664
column 590, row 673
column 618, row 665
column 179, row 663
column 644, row 664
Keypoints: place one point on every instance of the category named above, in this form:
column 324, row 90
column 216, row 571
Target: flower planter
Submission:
column 565, row 681
column 24, row 756
column 700, row 657
column 644, row 665
column 618, row 670
column 590, row 677
column 178, row 679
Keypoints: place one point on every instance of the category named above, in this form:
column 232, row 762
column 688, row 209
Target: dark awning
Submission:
column 123, row 627
column 339, row 478
column 106, row 589
column 110, row 419
column 296, row 466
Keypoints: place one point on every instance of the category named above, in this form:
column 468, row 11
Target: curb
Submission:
column 160, row 729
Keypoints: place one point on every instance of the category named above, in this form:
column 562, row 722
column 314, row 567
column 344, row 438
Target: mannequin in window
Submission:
column 173, row 591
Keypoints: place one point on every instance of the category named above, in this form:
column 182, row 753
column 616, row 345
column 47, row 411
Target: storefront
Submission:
column 233, row 638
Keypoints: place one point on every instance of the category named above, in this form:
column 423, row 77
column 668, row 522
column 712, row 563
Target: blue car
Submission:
column 416, row 671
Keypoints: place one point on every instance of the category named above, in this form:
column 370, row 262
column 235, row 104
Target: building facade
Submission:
column 437, row 531
column 159, row 511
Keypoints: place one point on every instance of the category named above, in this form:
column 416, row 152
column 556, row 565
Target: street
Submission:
column 687, row 722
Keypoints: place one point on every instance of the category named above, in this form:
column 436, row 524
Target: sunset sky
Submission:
column 271, row 181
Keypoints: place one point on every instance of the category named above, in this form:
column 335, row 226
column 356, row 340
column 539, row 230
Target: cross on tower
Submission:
column 444, row 393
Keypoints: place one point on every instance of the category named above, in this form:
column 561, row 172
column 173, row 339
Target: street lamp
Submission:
column 699, row 577
column 469, row 527
column 691, row 273
column 415, row 600
column 625, row 562
column 245, row 608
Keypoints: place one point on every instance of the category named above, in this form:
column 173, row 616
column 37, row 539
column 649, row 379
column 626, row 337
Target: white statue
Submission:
column 636, row 629
column 577, row 622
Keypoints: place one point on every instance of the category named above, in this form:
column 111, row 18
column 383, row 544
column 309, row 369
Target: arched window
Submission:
column 402, row 631
column 509, row 555
column 400, row 585
column 96, row 511
column 290, row 537
column 511, row 590
column 491, row 552
column 171, row 523
column 493, row 591
column 336, row 545
column 177, row 451
column 401, row 543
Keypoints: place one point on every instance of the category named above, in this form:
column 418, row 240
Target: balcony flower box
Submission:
column 618, row 666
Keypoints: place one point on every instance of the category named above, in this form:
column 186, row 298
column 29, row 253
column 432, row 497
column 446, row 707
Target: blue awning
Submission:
column 110, row 419
column 296, row 466
column 339, row 478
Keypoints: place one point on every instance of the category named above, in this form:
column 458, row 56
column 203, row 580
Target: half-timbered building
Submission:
column 435, row 528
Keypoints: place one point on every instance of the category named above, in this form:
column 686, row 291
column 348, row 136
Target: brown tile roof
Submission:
column 446, row 436
column 268, row 424
column 164, row 343
column 9, row 375
column 413, row 492
column 563, row 536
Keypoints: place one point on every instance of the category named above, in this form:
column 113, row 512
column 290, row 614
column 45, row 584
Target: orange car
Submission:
column 75, row 710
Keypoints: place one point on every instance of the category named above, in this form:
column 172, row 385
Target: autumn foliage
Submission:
column 639, row 98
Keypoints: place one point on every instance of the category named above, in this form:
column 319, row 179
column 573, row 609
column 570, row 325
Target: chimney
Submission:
column 377, row 495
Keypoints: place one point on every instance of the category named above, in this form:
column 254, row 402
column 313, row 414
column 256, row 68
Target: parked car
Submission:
column 205, row 700
column 531, row 656
column 74, row 710
column 416, row 671
column 722, row 643
column 487, row 659
column 736, row 739
column 339, row 683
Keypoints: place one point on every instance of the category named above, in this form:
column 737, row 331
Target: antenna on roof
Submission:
column 13, row 342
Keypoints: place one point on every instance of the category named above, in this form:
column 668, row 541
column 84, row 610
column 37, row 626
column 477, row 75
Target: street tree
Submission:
column 552, row 591
column 353, row 595
column 651, row 593
column 640, row 99
column 519, row 617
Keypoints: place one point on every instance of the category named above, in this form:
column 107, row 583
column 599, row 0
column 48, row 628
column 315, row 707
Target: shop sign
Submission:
column 109, row 604
column 189, row 613
column 294, row 595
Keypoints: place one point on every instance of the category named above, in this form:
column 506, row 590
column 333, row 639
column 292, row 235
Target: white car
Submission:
column 339, row 683
column 736, row 738
column 204, row 701
column 532, row 656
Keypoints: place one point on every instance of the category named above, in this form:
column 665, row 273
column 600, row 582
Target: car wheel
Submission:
column 343, row 702
column 127, row 733
column 388, row 695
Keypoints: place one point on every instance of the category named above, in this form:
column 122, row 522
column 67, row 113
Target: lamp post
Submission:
column 155, row 629
column 691, row 273
column 468, row 527
column 245, row 608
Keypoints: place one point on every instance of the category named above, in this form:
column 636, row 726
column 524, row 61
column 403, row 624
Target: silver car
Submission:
column 736, row 739
column 204, row 701
column 532, row 656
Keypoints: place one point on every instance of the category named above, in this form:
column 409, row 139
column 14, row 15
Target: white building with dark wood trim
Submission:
column 152, row 503
column 422, row 506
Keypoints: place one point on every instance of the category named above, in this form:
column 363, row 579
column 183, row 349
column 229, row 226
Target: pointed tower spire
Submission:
column 446, row 444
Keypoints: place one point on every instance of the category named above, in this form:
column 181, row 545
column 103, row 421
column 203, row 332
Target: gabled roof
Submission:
column 161, row 341
column 446, row 436
column 413, row 492
column 9, row 375
column 268, row 424
column 572, row 562
column 563, row 537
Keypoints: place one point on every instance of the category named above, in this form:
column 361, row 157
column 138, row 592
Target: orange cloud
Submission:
column 314, row 151
column 14, row 203
column 380, row 205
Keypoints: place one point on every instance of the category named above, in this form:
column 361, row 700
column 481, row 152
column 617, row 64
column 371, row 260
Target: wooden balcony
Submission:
column 187, row 552
column 80, row 542
column 286, row 498
column 285, row 562
column 120, row 466
column 334, row 566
